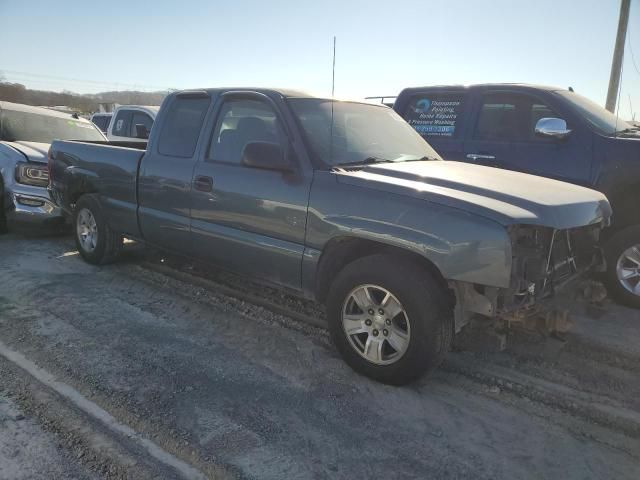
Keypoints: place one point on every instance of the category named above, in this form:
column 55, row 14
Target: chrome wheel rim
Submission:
column 628, row 269
column 87, row 230
column 376, row 324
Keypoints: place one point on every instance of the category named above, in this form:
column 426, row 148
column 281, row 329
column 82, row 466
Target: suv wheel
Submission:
column 95, row 240
column 389, row 318
column 622, row 278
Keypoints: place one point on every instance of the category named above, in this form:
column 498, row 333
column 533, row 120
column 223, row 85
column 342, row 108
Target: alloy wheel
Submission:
column 87, row 230
column 376, row 324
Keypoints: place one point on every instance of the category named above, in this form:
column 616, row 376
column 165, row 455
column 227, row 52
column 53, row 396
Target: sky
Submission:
column 382, row 47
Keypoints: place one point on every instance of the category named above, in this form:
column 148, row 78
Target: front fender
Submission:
column 463, row 246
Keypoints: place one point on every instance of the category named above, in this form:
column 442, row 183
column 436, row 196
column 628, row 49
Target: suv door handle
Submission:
column 476, row 156
column 202, row 183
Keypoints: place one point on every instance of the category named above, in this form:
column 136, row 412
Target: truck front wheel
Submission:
column 387, row 318
column 622, row 279
column 95, row 240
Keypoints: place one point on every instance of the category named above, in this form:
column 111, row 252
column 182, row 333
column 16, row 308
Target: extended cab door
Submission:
column 166, row 172
column 438, row 115
column 249, row 219
column 504, row 136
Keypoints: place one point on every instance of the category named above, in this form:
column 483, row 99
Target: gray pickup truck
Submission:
column 342, row 202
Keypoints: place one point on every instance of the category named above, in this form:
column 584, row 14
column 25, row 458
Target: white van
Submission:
column 126, row 118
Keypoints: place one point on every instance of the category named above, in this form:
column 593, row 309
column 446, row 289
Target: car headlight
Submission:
column 34, row 174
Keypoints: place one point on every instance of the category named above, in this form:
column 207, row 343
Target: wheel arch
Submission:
column 343, row 250
column 624, row 204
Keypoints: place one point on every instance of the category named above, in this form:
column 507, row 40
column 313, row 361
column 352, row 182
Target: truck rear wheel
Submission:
column 95, row 240
column 622, row 278
column 387, row 318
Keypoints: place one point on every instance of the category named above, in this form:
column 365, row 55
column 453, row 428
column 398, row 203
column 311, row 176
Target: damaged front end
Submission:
column 544, row 262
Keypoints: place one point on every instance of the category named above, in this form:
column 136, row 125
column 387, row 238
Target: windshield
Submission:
column 34, row 127
column 602, row 120
column 360, row 133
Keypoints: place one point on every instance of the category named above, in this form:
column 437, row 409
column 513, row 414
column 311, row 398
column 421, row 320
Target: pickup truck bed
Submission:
column 109, row 172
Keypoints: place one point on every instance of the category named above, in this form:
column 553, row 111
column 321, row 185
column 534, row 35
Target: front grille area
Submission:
column 545, row 259
column 572, row 251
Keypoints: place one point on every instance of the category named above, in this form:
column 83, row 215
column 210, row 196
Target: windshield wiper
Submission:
column 366, row 161
column 628, row 130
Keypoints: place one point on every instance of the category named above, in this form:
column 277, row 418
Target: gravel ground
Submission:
column 27, row 451
column 239, row 390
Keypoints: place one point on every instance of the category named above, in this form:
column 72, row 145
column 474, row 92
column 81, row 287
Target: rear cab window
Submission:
column 182, row 125
column 140, row 118
column 436, row 114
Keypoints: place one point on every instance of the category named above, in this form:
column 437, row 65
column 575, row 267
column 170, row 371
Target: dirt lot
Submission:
column 144, row 370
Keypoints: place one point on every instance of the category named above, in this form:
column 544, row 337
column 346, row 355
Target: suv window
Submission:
column 240, row 122
column 511, row 117
column 121, row 123
column 498, row 118
column 435, row 114
column 182, row 125
column 140, row 118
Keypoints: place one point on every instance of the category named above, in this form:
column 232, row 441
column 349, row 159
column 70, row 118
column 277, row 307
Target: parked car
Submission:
column 25, row 135
column 131, row 123
column 102, row 120
column 545, row 131
column 342, row 202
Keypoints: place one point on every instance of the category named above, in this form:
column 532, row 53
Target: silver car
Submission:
column 25, row 135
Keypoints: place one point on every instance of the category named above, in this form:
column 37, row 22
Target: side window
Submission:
column 121, row 123
column 511, row 117
column 140, row 118
column 498, row 119
column 240, row 122
column 181, row 127
column 435, row 114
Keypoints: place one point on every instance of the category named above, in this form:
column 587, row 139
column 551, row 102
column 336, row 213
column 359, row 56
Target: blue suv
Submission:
column 544, row 131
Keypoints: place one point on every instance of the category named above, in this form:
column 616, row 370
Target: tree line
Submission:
column 82, row 103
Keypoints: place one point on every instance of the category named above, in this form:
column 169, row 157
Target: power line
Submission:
column 84, row 81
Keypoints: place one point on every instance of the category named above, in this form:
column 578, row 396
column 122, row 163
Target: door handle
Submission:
column 202, row 183
column 476, row 156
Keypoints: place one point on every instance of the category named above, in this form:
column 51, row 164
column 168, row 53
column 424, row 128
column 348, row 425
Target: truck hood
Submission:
column 34, row 151
column 504, row 196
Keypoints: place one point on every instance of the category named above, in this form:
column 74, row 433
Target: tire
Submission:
column 619, row 257
column 426, row 319
column 96, row 241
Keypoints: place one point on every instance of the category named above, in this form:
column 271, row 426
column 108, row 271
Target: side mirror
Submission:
column 141, row 131
column 265, row 155
column 552, row 127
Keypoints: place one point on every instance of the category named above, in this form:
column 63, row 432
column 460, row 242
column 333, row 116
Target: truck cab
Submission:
column 543, row 131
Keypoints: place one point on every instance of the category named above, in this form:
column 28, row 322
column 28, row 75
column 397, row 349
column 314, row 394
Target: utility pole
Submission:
column 618, row 54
